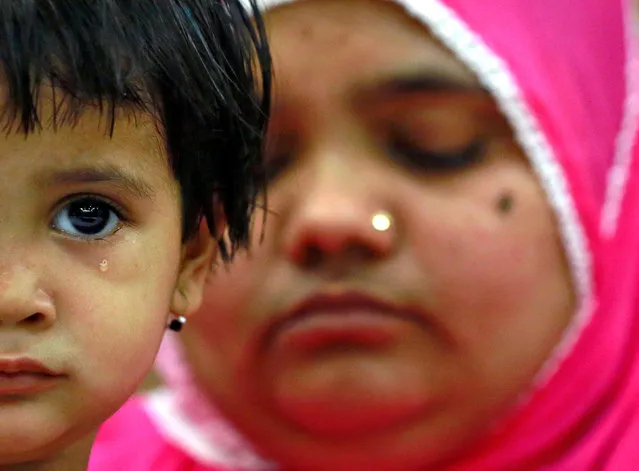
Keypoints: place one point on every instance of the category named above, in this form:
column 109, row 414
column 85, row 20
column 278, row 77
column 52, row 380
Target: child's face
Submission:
column 463, row 297
column 91, row 263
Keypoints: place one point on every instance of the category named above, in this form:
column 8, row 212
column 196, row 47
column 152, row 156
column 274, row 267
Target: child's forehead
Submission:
column 54, row 106
column 89, row 148
column 62, row 119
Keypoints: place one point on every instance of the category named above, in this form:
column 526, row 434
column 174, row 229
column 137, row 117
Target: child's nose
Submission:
column 22, row 303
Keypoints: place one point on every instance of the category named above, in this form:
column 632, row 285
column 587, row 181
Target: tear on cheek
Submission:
column 505, row 203
column 104, row 265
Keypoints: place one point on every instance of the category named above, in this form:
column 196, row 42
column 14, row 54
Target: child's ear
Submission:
column 197, row 258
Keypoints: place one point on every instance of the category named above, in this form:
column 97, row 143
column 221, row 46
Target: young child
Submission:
column 447, row 279
column 126, row 125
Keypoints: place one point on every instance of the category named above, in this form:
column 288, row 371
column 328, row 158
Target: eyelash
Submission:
column 438, row 162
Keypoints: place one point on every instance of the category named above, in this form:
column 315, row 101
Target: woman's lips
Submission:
column 341, row 321
column 356, row 327
column 344, row 365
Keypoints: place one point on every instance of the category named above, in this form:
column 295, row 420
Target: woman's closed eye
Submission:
column 439, row 135
column 88, row 217
column 436, row 160
column 279, row 154
column 274, row 166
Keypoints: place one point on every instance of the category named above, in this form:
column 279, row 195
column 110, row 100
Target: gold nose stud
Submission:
column 381, row 221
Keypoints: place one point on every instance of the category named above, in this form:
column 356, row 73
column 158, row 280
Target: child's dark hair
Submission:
column 202, row 67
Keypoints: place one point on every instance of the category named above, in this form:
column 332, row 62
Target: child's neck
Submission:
column 73, row 458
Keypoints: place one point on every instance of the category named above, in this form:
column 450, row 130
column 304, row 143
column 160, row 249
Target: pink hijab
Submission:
column 566, row 75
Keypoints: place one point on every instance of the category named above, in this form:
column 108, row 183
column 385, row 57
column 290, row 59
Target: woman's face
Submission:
column 334, row 345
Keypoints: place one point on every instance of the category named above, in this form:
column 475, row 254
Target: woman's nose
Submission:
column 338, row 217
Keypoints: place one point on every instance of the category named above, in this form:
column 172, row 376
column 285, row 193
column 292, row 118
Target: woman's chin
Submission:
column 351, row 394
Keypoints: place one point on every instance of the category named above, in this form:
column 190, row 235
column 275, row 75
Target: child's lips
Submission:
column 19, row 384
column 23, row 376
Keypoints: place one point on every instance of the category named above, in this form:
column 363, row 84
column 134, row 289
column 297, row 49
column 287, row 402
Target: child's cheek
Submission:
column 119, row 294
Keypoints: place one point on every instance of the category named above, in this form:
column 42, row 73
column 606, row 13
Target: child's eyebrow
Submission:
column 112, row 175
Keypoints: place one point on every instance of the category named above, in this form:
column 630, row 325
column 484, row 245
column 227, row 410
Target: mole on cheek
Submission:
column 505, row 203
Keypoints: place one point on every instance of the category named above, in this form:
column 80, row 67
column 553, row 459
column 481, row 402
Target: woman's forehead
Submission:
column 358, row 46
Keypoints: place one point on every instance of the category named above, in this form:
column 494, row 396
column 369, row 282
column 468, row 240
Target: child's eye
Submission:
column 87, row 217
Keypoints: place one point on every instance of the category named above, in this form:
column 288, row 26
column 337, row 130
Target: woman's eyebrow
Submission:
column 419, row 82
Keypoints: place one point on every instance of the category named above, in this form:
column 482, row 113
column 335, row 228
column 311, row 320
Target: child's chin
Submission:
column 31, row 430
column 39, row 446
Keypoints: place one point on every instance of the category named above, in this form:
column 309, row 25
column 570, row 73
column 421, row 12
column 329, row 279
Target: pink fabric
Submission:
column 175, row 427
column 568, row 62
column 131, row 441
